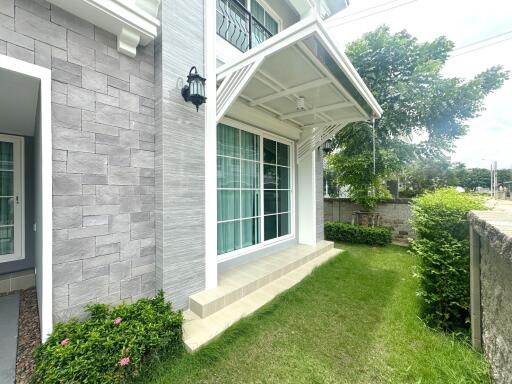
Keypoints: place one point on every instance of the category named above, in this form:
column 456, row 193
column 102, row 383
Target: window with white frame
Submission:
column 245, row 24
column 263, row 18
column 254, row 189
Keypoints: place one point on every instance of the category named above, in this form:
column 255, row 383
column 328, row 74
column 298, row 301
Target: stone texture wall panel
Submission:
column 102, row 110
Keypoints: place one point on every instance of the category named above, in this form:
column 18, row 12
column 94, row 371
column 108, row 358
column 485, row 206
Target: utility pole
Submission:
column 494, row 177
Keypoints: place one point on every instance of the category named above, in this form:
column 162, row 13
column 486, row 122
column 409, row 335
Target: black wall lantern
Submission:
column 328, row 146
column 195, row 90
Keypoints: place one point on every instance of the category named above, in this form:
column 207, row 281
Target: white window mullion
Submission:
column 240, row 217
column 262, row 200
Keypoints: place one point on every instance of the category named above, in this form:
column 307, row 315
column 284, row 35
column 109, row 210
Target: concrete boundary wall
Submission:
column 491, row 288
column 395, row 214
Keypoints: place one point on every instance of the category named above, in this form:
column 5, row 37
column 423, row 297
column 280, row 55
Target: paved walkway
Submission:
column 9, row 311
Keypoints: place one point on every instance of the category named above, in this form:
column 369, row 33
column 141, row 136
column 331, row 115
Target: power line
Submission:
column 482, row 47
column 363, row 10
column 341, row 22
column 482, row 41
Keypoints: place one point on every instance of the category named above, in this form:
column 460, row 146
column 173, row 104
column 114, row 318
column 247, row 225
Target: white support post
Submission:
column 306, row 191
column 210, row 146
column 43, row 179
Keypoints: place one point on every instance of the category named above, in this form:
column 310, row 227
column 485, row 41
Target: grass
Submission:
column 354, row 320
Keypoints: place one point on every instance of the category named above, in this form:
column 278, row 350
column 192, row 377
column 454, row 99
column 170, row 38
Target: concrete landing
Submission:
column 241, row 281
column 9, row 312
column 198, row 331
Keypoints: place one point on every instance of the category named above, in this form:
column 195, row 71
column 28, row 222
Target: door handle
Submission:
column 17, row 199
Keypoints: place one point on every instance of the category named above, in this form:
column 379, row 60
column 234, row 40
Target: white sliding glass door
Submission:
column 254, row 190
column 11, row 202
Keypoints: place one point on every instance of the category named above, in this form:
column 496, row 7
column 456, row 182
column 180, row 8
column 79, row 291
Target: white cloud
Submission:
column 464, row 22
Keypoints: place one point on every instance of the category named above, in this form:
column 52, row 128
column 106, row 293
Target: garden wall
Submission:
column 491, row 290
column 395, row 214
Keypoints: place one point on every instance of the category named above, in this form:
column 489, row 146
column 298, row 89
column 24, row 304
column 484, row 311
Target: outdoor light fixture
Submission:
column 327, row 147
column 194, row 91
column 301, row 104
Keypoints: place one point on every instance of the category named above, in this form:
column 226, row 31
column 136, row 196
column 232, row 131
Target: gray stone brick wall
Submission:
column 394, row 214
column 103, row 154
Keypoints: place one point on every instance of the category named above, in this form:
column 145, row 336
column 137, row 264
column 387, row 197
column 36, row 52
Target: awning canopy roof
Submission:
column 300, row 62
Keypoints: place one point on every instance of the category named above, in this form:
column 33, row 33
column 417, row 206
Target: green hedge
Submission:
column 348, row 233
column 111, row 346
column 442, row 244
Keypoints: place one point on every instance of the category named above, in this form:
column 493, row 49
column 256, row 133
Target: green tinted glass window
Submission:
column 253, row 189
column 228, row 204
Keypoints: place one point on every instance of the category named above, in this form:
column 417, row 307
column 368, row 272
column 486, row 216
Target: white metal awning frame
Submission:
column 355, row 97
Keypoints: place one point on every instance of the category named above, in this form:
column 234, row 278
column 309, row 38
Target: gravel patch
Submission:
column 29, row 336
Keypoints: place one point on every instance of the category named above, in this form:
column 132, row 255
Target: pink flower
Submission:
column 124, row 361
column 118, row 320
column 64, row 342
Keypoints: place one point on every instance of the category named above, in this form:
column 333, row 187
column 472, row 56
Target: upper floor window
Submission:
column 245, row 23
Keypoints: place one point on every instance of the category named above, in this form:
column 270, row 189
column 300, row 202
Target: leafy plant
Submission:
column 344, row 232
column 111, row 346
column 405, row 76
column 356, row 171
column 442, row 244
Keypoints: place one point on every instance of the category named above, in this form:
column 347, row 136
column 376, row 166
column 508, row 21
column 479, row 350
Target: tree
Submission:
column 422, row 176
column 405, row 77
column 481, row 177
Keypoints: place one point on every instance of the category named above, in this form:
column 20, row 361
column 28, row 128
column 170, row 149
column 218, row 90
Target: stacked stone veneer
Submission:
column 395, row 214
column 103, row 154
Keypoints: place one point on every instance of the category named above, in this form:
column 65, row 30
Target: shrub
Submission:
column 338, row 231
column 111, row 346
column 442, row 244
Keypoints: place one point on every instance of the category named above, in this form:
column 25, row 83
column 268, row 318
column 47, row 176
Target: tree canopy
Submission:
column 405, row 76
column 422, row 176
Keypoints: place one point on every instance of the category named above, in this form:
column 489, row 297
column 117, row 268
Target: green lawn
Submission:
column 354, row 320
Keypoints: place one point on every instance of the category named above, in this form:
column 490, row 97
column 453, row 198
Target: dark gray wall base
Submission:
column 16, row 281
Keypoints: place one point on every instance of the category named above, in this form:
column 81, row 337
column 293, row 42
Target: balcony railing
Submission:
column 238, row 26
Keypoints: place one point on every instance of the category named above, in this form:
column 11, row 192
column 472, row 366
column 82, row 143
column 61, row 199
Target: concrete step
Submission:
column 198, row 331
column 241, row 281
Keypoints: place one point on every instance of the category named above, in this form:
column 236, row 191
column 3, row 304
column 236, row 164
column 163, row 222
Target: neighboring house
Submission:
column 114, row 187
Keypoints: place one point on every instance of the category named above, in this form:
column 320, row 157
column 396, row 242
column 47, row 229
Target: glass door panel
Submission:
column 277, row 189
column 254, row 189
column 6, row 199
column 10, row 203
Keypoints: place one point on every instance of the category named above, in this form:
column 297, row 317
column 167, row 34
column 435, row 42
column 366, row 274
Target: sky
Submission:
column 464, row 22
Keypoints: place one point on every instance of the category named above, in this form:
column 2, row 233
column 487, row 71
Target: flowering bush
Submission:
column 111, row 346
